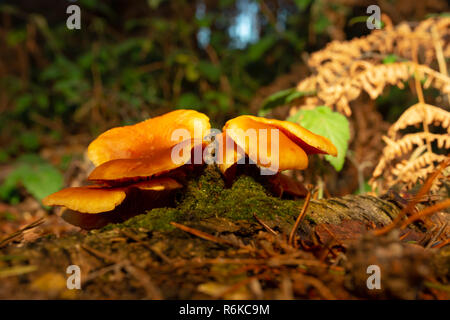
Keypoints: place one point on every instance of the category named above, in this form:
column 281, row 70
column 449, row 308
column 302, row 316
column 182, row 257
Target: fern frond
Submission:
column 346, row 68
column 419, row 113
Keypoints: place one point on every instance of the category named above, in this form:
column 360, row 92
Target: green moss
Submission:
column 207, row 196
column 156, row 219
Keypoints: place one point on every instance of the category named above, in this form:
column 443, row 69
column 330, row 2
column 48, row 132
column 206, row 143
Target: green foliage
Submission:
column 364, row 188
column 283, row 97
column 38, row 177
column 362, row 19
column 391, row 58
column 303, row 4
column 120, row 70
column 332, row 125
column 130, row 67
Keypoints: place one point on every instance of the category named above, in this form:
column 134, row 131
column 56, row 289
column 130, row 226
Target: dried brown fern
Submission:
column 418, row 114
column 410, row 158
column 345, row 69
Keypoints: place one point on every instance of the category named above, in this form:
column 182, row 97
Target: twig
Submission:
column 427, row 211
column 201, row 234
column 299, row 219
column 18, row 233
column 442, row 244
column 422, row 192
column 103, row 256
column 265, row 225
column 144, row 280
column 437, row 235
column 98, row 273
column 321, row 288
column 272, row 262
column 161, row 255
column 404, row 235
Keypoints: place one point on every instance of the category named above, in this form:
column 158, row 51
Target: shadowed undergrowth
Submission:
column 223, row 251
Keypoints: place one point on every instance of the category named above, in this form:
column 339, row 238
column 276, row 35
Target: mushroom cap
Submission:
column 248, row 135
column 137, row 202
column 310, row 142
column 227, row 153
column 97, row 199
column 146, row 138
column 157, row 163
column 89, row 199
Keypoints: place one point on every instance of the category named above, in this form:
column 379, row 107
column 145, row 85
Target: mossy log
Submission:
column 159, row 260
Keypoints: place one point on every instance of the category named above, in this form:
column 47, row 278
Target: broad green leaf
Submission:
column 42, row 180
column 38, row 177
column 332, row 125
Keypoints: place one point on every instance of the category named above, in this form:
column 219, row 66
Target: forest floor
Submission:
column 233, row 242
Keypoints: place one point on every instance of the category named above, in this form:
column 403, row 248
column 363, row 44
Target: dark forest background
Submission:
column 131, row 60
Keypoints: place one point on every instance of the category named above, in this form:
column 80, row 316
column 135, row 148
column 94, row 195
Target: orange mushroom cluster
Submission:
column 133, row 169
column 136, row 166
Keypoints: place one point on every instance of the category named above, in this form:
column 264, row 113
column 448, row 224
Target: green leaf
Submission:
column 321, row 24
column 302, row 4
column 391, row 58
column 364, row 188
column 283, row 97
column 363, row 19
column 38, row 177
column 154, row 4
column 257, row 50
column 332, row 125
column 29, row 140
column 42, row 180
column 209, row 70
column 189, row 100
column 23, row 103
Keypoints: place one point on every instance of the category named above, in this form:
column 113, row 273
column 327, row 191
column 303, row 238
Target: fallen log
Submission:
column 211, row 239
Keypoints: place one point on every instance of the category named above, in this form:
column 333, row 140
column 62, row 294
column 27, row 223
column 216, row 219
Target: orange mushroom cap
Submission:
column 248, row 134
column 310, row 142
column 227, row 153
column 147, row 138
column 158, row 163
column 97, row 199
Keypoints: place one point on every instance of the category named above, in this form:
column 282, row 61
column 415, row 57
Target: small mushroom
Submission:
column 288, row 149
column 94, row 206
column 96, row 199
